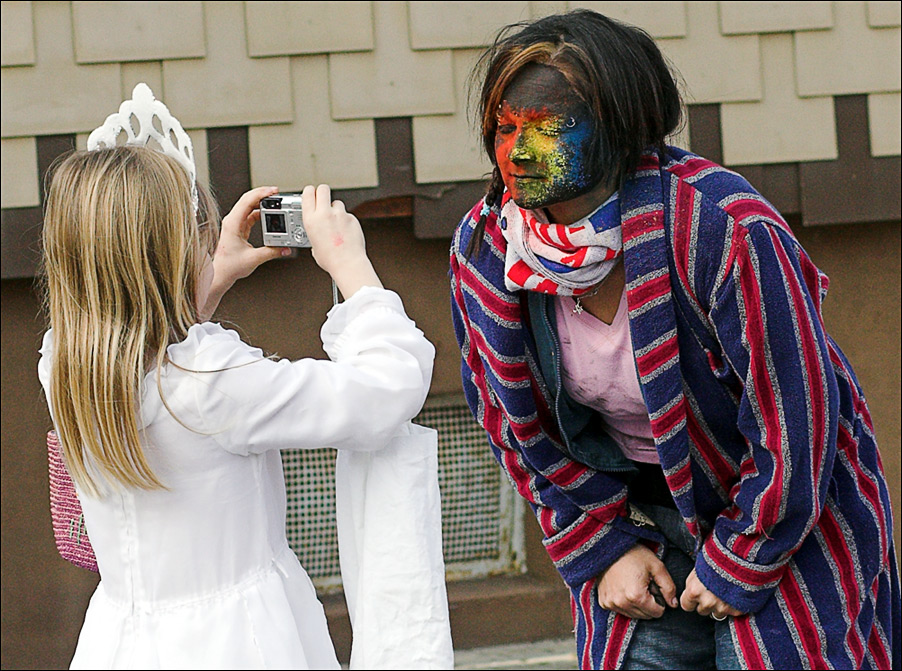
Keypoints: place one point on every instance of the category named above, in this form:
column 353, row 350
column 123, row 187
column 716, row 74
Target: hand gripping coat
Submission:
column 760, row 424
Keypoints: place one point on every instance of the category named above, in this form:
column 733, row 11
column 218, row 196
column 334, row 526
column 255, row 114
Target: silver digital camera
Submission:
column 282, row 222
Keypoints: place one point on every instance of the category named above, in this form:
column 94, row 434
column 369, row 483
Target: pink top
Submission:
column 599, row 371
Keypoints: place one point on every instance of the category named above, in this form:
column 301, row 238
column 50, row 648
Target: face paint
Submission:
column 542, row 139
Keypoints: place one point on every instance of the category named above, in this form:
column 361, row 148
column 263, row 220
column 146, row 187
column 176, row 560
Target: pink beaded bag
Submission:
column 65, row 510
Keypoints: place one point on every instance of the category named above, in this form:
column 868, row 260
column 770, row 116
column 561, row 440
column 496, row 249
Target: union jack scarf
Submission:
column 559, row 259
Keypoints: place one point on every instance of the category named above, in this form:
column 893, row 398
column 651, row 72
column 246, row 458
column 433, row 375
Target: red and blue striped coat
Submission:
column 760, row 424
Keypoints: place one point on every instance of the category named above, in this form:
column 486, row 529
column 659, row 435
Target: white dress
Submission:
column 200, row 575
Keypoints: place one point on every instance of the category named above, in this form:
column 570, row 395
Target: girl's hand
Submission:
column 235, row 257
column 699, row 598
column 628, row 586
column 337, row 241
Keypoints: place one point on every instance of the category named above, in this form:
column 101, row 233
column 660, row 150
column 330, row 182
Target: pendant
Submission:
column 578, row 300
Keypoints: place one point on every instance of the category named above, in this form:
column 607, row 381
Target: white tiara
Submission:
column 146, row 120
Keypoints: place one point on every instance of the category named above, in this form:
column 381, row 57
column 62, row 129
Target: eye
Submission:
column 553, row 128
column 571, row 123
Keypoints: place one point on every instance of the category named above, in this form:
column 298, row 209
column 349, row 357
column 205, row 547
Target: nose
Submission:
column 521, row 151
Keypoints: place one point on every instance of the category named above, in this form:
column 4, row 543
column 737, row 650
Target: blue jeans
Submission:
column 679, row 640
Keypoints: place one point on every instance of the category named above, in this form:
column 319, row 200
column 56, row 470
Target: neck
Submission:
column 573, row 210
column 605, row 301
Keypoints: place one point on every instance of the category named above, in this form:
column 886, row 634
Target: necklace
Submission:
column 578, row 305
column 578, row 308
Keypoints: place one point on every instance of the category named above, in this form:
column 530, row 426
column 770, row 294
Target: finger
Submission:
column 249, row 222
column 688, row 600
column 308, row 202
column 614, row 603
column 323, row 196
column 264, row 254
column 626, row 609
column 706, row 606
column 664, row 583
column 691, row 594
column 249, row 201
column 339, row 206
column 637, row 613
column 632, row 613
column 648, row 608
column 632, row 609
column 716, row 614
column 715, row 606
column 640, row 602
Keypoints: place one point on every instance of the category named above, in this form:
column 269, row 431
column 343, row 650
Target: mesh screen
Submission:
column 481, row 532
column 310, row 520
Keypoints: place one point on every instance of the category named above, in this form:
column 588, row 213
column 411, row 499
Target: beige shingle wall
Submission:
column 112, row 32
column 739, row 17
column 55, row 94
column 785, row 127
column 295, row 28
column 19, row 172
column 309, row 78
column 18, row 34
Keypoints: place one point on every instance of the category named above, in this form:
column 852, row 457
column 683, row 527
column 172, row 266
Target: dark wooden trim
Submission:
column 778, row 182
column 857, row 187
column 20, row 228
column 229, row 161
column 434, row 208
column 704, row 131
column 395, row 169
column 394, row 152
column 20, row 239
column 854, row 188
column 50, row 148
column 393, row 207
column 437, row 217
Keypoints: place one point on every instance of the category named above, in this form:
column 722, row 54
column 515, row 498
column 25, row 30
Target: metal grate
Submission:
column 481, row 515
column 310, row 520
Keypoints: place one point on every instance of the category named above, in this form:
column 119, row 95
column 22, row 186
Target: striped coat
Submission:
column 760, row 424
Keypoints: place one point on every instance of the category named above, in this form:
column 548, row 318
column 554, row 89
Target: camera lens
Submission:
column 271, row 203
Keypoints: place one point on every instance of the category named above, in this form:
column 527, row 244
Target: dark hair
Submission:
column 615, row 68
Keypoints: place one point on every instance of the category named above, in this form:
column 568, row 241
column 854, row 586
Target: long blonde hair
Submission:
column 122, row 249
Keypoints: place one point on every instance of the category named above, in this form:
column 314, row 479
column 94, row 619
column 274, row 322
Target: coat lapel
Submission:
column 653, row 326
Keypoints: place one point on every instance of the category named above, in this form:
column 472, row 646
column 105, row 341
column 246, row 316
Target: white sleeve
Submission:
column 389, row 518
column 377, row 379
column 44, row 365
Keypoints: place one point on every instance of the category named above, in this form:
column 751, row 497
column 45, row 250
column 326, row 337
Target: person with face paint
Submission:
column 642, row 340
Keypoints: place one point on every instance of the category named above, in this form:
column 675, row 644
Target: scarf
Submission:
column 559, row 259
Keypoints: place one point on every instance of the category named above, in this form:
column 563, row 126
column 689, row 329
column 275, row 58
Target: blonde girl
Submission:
column 171, row 425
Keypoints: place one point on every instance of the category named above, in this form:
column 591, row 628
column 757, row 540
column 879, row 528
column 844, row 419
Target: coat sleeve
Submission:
column 249, row 403
column 768, row 322
column 582, row 512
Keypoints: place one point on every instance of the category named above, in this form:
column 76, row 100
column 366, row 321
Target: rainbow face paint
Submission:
column 542, row 139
